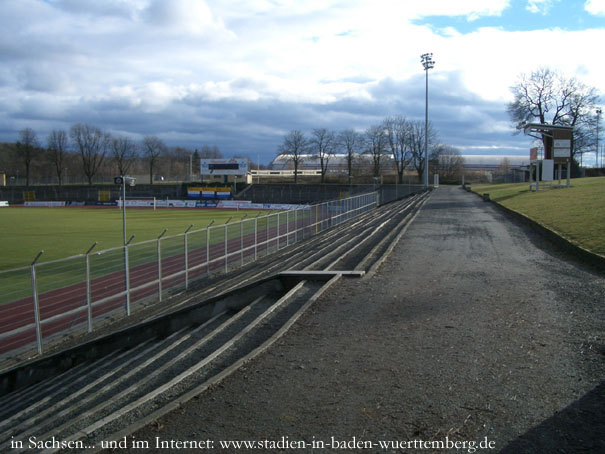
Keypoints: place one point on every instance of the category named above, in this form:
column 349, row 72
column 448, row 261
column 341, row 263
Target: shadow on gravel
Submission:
column 579, row 428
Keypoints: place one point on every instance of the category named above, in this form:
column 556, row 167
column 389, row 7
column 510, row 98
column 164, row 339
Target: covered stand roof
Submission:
column 544, row 128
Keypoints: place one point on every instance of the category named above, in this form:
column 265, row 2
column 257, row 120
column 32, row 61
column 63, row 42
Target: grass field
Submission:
column 576, row 213
column 62, row 232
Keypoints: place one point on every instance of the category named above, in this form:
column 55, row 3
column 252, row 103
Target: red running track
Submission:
column 67, row 306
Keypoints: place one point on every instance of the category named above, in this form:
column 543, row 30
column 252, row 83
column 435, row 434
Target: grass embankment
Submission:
column 63, row 232
column 576, row 213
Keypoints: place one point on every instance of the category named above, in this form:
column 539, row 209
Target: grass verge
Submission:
column 576, row 213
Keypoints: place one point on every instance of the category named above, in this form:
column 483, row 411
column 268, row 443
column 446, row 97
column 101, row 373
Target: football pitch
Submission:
column 63, row 232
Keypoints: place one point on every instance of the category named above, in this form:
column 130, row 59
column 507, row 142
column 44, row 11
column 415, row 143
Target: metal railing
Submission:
column 51, row 298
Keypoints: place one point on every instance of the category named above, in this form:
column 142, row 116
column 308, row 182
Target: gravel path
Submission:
column 473, row 330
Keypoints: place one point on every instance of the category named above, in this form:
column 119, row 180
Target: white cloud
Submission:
column 540, row 6
column 184, row 16
column 596, row 7
column 490, row 59
column 190, row 61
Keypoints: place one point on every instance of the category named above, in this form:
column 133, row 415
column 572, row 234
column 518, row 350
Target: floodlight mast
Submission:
column 428, row 63
column 124, row 210
column 598, row 111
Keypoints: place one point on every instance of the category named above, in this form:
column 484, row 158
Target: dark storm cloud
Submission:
column 257, row 127
column 241, row 74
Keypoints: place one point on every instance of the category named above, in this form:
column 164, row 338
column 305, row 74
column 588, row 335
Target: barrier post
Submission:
column 127, row 275
column 287, row 228
column 208, row 247
column 226, row 242
column 36, row 304
column 160, row 265
column 88, row 292
column 278, row 231
column 241, row 238
column 187, row 257
column 296, row 226
column 256, row 236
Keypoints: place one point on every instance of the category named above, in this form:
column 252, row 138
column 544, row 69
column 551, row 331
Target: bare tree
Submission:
column 447, row 161
column 376, row 143
column 416, row 144
column 123, row 153
column 57, row 144
column 174, row 161
column 322, row 146
column 153, row 148
column 293, row 148
column 92, row 144
column 210, row 152
column 196, row 162
column 504, row 167
column 397, row 131
column 545, row 96
column 26, row 149
column 352, row 142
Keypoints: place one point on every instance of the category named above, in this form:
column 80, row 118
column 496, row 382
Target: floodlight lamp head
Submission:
column 427, row 61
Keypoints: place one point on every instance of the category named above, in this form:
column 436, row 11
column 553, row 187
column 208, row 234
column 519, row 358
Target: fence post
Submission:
column 287, row 228
column 88, row 293
column 241, row 236
column 160, row 264
column 226, row 243
column 345, row 213
column 36, row 304
column 187, row 257
column 324, row 217
column 296, row 226
column 208, row 247
column 127, row 275
column 256, row 236
column 348, row 216
column 278, row 231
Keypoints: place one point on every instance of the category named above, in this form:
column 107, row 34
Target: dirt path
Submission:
column 471, row 329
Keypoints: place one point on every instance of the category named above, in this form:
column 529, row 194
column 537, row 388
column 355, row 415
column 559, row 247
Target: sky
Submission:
column 241, row 74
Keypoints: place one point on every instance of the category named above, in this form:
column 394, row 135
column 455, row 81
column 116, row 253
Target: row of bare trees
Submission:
column 544, row 96
column 87, row 150
column 398, row 138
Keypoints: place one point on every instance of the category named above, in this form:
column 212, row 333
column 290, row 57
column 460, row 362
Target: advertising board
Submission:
column 233, row 166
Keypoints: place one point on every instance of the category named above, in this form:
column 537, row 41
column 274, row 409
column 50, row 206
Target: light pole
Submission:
column 598, row 121
column 428, row 63
column 123, row 181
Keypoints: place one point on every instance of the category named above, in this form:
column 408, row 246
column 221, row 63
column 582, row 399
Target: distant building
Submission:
column 338, row 163
column 494, row 162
